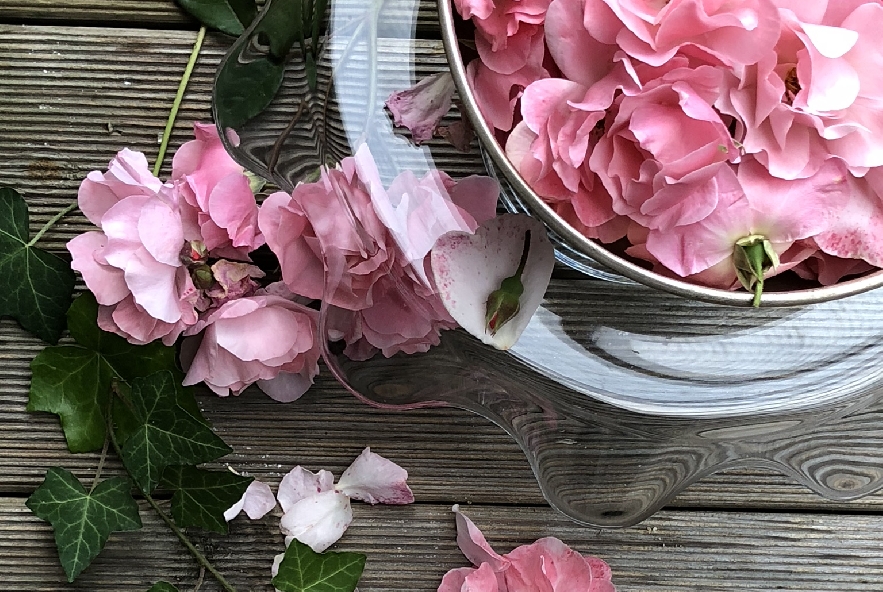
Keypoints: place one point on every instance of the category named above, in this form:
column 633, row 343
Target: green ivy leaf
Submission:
column 74, row 381
column 228, row 16
column 37, row 285
column 250, row 78
column 304, row 570
column 201, row 497
column 167, row 433
column 83, row 520
column 163, row 587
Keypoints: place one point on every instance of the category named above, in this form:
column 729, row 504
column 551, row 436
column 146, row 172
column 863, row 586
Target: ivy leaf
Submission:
column 37, row 285
column 228, row 16
column 74, row 381
column 249, row 79
column 83, row 520
column 304, row 570
column 167, row 434
column 163, row 587
column 201, row 497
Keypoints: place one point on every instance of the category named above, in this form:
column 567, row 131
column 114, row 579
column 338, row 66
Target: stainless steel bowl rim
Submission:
column 596, row 251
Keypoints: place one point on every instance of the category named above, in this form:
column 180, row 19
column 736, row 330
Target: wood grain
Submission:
column 451, row 455
column 167, row 14
column 70, row 98
column 411, row 547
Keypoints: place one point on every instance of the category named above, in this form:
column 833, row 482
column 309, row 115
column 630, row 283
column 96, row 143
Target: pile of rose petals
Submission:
column 678, row 128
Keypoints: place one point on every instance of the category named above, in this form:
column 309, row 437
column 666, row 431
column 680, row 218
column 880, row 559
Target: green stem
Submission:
column 177, row 104
column 100, row 465
column 52, row 223
column 197, row 554
column 758, row 292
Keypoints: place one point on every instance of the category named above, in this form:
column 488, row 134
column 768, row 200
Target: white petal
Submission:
column 468, row 268
column 300, row 483
column 318, row 521
column 376, row 480
column 259, row 500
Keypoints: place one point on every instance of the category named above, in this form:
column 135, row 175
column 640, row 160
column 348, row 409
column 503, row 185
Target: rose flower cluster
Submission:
column 175, row 259
column 691, row 128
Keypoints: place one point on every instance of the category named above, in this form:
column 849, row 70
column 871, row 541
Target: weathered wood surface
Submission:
column 410, row 548
column 166, row 14
column 69, row 99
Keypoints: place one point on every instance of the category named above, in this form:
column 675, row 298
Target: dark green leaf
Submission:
column 201, row 497
column 304, row 570
column 228, row 16
column 37, row 285
column 163, row 587
column 167, row 434
column 251, row 76
column 74, row 381
column 83, row 520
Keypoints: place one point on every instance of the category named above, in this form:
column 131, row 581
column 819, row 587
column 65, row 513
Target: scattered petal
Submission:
column 375, row 480
column 300, row 484
column 319, row 520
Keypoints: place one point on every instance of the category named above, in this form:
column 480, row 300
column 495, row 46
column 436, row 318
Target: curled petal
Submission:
column 375, row 480
column 421, row 107
column 300, row 484
column 473, row 544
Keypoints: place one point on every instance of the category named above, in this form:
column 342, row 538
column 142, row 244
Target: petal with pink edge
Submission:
column 375, row 480
column 318, row 521
column 468, row 268
column 473, row 544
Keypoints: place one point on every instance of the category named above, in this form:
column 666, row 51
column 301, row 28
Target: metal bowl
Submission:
column 578, row 244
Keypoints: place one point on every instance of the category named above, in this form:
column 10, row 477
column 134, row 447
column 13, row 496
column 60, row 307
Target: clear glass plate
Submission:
column 620, row 396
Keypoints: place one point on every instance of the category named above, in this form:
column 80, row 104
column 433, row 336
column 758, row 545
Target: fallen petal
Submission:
column 257, row 501
column 473, row 544
column 318, row 521
column 300, row 484
column 375, row 480
column 421, row 107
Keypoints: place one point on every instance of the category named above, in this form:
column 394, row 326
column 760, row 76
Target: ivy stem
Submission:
column 197, row 554
column 52, row 222
column 197, row 45
column 100, row 468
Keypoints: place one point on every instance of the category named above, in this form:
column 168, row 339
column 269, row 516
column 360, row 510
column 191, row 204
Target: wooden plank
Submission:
column 154, row 13
column 411, row 547
column 451, row 455
column 70, row 98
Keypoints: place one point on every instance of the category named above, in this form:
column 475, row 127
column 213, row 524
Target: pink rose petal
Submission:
column 375, row 480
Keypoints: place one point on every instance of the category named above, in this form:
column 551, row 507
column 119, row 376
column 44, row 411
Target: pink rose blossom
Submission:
column 547, row 564
column 736, row 33
column 663, row 147
column 421, row 107
column 362, row 248
column 263, row 339
column 218, row 188
column 509, row 34
column 497, row 94
column 818, row 92
column 751, row 202
column 133, row 266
